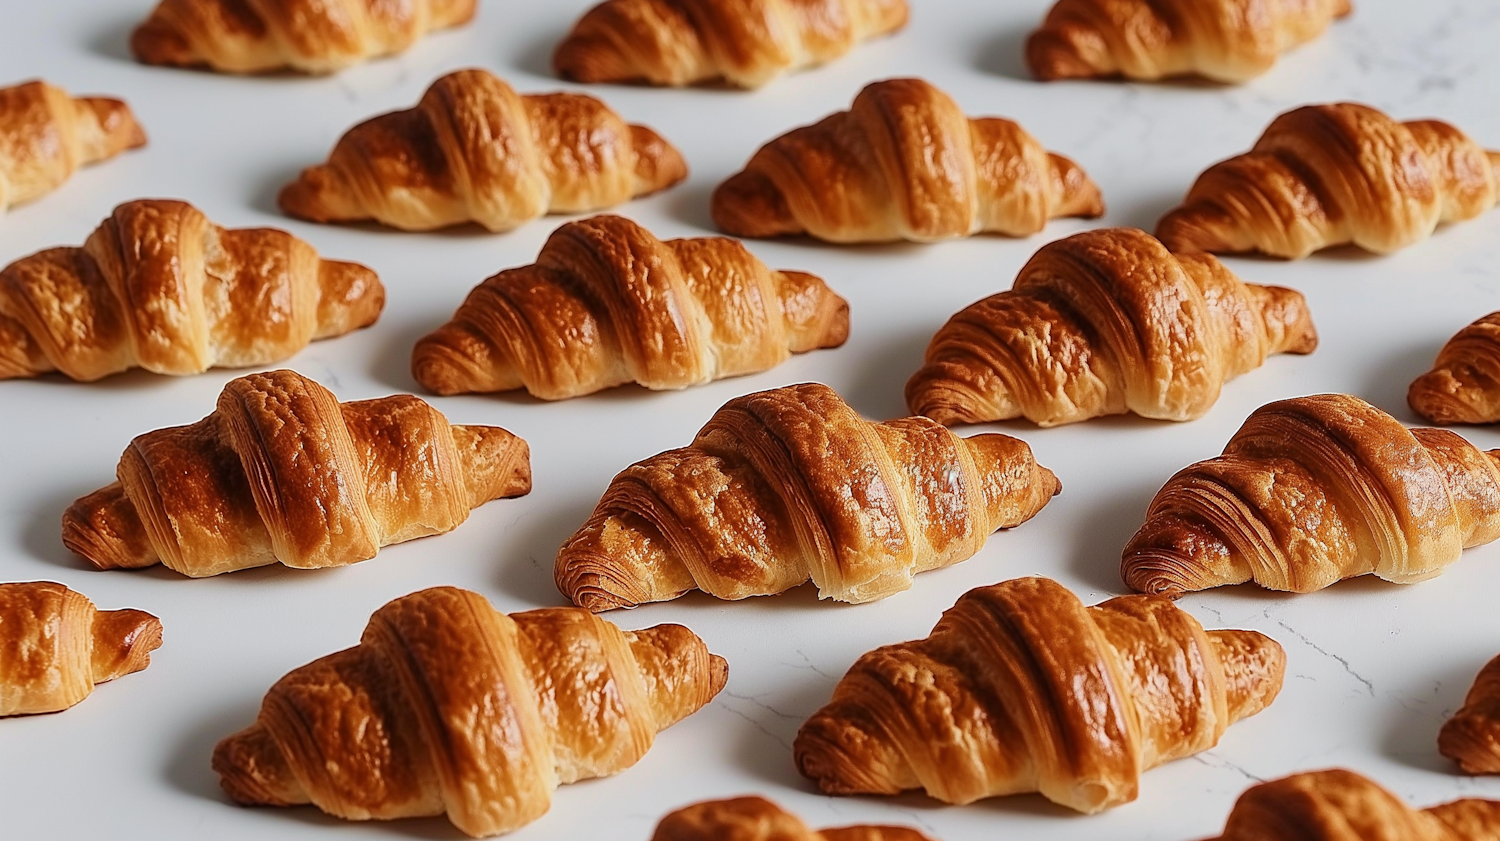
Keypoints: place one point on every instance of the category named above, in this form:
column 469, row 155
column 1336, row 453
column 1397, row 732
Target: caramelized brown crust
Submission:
column 448, row 706
column 46, row 135
column 283, row 472
column 792, row 484
column 1020, row 688
column 1101, row 323
column 475, row 150
column 1472, row 736
column 607, row 303
column 1313, row 490
column 903, row 163
column 758, row 819
column 1464, row 383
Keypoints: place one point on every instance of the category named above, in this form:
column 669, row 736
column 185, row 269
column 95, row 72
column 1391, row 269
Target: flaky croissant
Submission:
column 1471, row 737
column 1224, row 40
column 758, row 819
column 1020, row 688
column 159, row 286
column 681, row 42
column 1464, row 383
column 284, row 472
column 448, row 706
column 1105, row 322
column 46, row 135
column 1313, row 490
column 1326, row 175
column 903, row 163
column 475, row 150
column 254, row 36
column 608, row 303
column 790, row 484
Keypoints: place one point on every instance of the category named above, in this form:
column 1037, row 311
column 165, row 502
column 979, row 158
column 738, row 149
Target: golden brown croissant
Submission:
column 758, row 819
column 46, row 135
column 159, row 286
column 284, row 472
column 1105, row 322
column 1464, row 384
column 309, row 36
column 1325, row 175
column 1472, row 736
column 1021, row 688
column 1224, row 40
column 790, row 484
column 608, row 303
column 680, row 42
column 475, row 150
column 449, row 706
column 903, row 163
column 55, row 645
column 1313, row 490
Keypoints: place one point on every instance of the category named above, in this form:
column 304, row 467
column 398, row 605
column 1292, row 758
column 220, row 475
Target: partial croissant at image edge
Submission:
column 1471, row 738
column 754, row 818
column 1463, row 386
column 57, row 133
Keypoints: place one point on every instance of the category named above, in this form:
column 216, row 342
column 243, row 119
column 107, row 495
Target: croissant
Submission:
column 448, row 706
column 1223, row 40
column 608, row 303
column 790, row 484
column 680, row 42
column 1105, row 322
column 284, row 472
column 254, row 36
column 903, row 163
column 1313, row 490
column 475, row 150
column 758, row 819
column 159, row 286
column 55, row 645
column 1464, row 384
column 1020, row 688
column 45, row 135
column 1472, row 736
column 1325, row 175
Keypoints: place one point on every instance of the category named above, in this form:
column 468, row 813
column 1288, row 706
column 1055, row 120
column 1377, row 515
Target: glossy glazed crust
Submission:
column 448, row 706
column 1101, row 323
column 1326, row 175
column 607, row 303
column 747, row 44
column 307, row 36
column 46, row 135
column 1464, row 383
column 758, row 819
column 1313, row 490
column 1471, row 737
column 1020, row 688
column 159, row 286
column 1223, row 40
column 283, row 472
column 473, row 150
column 903, row 163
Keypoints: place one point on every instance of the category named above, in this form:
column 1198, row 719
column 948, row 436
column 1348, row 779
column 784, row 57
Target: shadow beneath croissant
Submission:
column 878, row 391
column 113, row 39
column 526, row 574
column 536, row 58
column 264, row 198
column 1431, row 698
column 1095, row 554
column 1146, row 214
column 1395, row 373
column 391, row 365
column 42, row 538
column 689, row 204
column 1004, row 54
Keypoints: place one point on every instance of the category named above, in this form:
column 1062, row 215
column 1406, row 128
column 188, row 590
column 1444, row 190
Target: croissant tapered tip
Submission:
column 253, row 771
column 497, row 463
column 316, row 195
column 105, row 529
column 658, row 164
column 843, row 754
column 1056, row 53
column 749, row 204
column 117, row 123
column 947, row 392
column 158, row 42
column 123, row 642
column 1472, row 741
column 1254, row 670
column 591, row 59
column 351, row 297
column 1440, row 398
column 1081, row 197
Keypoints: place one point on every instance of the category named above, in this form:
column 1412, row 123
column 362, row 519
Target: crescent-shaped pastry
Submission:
column 1471, row 737
column 1464, row 383
column 46, row 135
column 758, row 819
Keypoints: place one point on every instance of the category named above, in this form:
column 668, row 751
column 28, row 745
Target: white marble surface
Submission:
column 1374, row 668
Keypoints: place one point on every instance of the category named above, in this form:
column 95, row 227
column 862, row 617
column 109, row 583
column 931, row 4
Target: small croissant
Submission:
column 758, row 819
column 159, row 286
column 1020, row 688
column 284, row 472
column 792, row 484
column 682, row 42
column 46, row 135
column 1313, row 490
column 448, row 706
column 903, row 163
column 55, row 646
column 1105, row 322
column 607, row 303
column 1326, row 175
column 1464, row 383
column 1472, row 736
column 474, row 150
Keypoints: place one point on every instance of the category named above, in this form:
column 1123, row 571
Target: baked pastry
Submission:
column 681, row 42
column 758, row 819
column 46, row 135
column 1223, row 40
column 902, row 163
column 1020, row 688
column 790, row 484
column 1101, row 323
column 607, row 303
column 157, row 285
column 55, row 645
column 448, row 706
column 475, row 150
column 1464, row 383
column 284, row 472
column 255, row 36
column 1313, row 490
column 1325, row 175
column 1472, row 736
